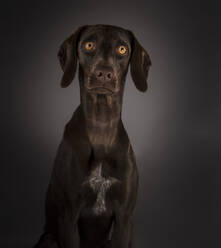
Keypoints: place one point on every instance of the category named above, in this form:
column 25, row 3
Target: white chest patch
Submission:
column 100, row 185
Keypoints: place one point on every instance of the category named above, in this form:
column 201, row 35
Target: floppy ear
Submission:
column 67, row 56
column 139, row 64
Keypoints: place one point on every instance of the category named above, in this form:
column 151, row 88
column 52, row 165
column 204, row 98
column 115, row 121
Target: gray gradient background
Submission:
column 174, row 127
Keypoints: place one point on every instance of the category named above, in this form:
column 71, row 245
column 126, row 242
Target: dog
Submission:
column 94, row 183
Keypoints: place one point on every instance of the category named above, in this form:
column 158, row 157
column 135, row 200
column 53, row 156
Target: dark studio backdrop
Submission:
column 174, row 128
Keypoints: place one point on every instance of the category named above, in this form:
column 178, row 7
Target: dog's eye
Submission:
column 122, row 49
column 89, row 45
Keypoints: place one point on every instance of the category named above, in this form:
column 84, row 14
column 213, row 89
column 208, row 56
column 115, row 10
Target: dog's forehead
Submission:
column 107, row 32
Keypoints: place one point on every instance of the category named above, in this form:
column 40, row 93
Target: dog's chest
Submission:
column 100, row 185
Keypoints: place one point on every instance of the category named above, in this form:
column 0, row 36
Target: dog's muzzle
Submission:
column 102, row 81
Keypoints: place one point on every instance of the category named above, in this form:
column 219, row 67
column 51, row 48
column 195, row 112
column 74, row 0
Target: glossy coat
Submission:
column 94, row 183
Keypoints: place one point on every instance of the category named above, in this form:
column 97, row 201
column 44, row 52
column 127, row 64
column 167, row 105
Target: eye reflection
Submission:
column 89, row 45
column 122, row 50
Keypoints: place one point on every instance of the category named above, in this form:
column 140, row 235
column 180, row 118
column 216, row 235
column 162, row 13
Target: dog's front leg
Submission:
column 68, row 229
column 121, row 236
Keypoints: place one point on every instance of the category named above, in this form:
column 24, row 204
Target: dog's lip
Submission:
column 101, row 90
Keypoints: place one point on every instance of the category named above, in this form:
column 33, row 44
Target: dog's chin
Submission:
column 100, row 90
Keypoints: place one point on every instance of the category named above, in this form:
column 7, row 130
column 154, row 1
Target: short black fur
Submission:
column 95, row 136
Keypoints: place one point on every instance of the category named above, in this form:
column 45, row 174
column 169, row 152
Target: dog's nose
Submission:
column 104, row 75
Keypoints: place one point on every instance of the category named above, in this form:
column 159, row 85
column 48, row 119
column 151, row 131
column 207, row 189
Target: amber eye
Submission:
column 122, row 49
column 89, row 45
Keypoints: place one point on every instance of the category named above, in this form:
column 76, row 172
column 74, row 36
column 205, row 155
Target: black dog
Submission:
column 94, row 183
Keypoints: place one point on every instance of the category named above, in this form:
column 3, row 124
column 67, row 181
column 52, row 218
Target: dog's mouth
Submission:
column 101, row 90
column 95, row 86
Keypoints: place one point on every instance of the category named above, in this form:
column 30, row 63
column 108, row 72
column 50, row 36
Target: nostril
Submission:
column 99, row 74
column 109, row 75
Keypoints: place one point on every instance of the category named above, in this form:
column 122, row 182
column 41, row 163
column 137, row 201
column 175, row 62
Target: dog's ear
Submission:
column 139, row 64
column 67, row 56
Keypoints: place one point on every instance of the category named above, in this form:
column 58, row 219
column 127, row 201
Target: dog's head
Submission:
column 104, row 53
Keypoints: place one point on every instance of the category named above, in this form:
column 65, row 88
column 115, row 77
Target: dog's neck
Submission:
column 102, row 114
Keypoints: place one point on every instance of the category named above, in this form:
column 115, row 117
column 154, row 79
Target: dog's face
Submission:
column 104, row 53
